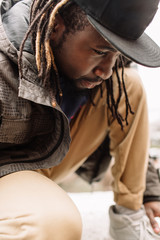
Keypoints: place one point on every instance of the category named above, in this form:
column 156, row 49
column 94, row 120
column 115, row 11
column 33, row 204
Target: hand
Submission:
column 152, row 211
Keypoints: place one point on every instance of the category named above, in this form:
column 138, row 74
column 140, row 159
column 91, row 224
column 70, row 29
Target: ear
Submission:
column 58, row 29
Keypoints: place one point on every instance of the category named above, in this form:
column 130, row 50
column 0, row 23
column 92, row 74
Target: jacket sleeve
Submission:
column 152, row 191
column 130, row 146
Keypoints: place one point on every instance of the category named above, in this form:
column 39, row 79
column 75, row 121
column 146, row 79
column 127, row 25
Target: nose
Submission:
column 104, row 68
column 104, row 74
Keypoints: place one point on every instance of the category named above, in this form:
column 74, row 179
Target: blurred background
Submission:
column 151, row 76
column 151, row 80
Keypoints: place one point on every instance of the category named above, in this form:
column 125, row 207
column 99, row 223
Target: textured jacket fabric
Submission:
column 152, row 192
column 41, row 134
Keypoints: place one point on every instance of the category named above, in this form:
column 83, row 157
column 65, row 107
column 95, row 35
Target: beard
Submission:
column 70, row 86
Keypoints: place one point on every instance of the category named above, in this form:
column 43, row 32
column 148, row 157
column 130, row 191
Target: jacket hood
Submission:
column 15, row 15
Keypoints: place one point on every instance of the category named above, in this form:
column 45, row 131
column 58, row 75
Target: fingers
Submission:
column 153, row 222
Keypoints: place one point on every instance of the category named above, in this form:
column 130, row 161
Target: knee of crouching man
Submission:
column 60, row 221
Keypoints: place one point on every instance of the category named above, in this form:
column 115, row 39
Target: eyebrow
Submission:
column 106, row 48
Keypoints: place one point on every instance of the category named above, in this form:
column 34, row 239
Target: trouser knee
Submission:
column 60, row 222
column 33, row 207
column 65, row 225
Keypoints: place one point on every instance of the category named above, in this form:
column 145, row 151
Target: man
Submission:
column 69, row 67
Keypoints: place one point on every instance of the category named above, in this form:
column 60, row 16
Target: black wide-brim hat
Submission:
column 122, row 23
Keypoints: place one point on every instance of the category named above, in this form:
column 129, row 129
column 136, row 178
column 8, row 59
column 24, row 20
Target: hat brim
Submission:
column 143, row 51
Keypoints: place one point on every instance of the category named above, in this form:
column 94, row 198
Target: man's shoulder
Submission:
column 132, row 73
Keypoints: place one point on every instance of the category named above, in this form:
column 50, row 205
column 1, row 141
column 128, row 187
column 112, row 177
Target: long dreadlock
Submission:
column 42, row 19
column 111, row 102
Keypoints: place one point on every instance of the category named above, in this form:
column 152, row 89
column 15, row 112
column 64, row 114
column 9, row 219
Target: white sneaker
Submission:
column 131, row 227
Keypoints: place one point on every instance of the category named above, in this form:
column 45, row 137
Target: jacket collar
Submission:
column 29, row 86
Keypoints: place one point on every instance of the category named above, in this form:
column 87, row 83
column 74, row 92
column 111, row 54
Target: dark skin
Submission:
column 153, row 210
column 84, row 56
column 87, row 58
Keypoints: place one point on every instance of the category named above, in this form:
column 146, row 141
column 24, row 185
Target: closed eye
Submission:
column 99, row 52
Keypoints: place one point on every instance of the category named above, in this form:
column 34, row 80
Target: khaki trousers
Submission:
column 34, row 207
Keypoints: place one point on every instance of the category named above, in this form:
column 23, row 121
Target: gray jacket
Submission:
column 41, row 134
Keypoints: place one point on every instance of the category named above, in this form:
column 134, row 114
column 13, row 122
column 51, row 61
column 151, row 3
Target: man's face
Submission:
column 84, row 57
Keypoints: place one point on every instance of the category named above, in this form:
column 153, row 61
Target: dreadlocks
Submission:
column 111, row 102
column 42, row 20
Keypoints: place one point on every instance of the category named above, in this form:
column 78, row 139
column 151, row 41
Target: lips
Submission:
column 88, row 84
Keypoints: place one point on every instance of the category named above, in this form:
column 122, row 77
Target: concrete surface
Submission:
column 93, row 207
